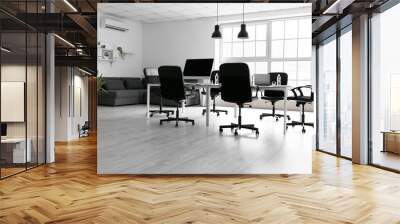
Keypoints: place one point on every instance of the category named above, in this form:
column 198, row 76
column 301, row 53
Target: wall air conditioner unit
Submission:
column 115, row 25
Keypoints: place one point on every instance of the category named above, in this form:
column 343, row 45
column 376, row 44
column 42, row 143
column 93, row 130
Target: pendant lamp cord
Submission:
column 217, row 13
column 243, row 12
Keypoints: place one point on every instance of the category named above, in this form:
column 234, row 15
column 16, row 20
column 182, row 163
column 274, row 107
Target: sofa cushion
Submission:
column 114, row 84
column 127, row 93
column 133, row 83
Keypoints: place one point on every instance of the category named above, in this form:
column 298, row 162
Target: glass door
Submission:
column 326, row 96
column 346, row 92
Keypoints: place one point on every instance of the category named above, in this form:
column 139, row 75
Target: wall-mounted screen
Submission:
column 12, row 101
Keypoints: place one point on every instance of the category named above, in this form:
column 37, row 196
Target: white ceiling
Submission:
column 161, row 12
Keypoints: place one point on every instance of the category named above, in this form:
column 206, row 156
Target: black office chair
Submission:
column 254, row 92
column 274, row 96
column 83, row 131
column 153, row 78
column 172, row 88
column 213, row 94
column 236, row 88
column 301, row 100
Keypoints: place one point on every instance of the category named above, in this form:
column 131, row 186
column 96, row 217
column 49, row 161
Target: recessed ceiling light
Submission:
column 64, row 40
column 84, row 71
column 5, row 50
column 70, row 5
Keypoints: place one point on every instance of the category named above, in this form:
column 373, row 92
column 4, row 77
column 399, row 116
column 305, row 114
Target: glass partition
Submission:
column 23, row 90
column 13, row 109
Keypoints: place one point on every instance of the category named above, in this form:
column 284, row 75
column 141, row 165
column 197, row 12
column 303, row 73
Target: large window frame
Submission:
column 256, row 60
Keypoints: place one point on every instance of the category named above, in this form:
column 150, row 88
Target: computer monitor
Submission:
column 3, row 129
column 198, row 67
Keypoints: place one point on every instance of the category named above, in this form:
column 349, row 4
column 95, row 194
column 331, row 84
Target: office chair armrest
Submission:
column 297, row 91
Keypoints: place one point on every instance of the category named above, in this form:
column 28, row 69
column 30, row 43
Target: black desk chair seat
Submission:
column 154, row 78
column 213, row 95
column 301, row 100
column 172, row 88
column 274, row 96
column 235, row 88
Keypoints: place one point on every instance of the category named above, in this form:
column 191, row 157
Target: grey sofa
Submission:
column 129, row 91
column 122, row 91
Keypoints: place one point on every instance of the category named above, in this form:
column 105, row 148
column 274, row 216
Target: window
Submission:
column 273, row 46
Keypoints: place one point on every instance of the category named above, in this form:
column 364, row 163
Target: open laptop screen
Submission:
column 198, row 67
column 3, row 129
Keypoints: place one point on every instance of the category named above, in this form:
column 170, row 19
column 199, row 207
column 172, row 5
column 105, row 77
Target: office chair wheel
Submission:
column 288, row 117
column 261, row 117
column 192, row 122
column 202, row 113
column 151, row 115
column 226, row 112
column 304, row 130
column 160, row 122
column 176, row 125
column 221, row 130
column 277, row 119
column 236, row 133
column 257, row 133
column 217, row 114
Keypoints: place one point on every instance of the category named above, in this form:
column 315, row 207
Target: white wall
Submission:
column 130, row 65
column 67, row 113
column 171, row 43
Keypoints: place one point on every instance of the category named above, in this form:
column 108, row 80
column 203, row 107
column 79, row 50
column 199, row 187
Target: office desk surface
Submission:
column 196, row 77
column 13, row 140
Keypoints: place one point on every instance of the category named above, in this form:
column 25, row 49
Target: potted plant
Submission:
column 100, row 84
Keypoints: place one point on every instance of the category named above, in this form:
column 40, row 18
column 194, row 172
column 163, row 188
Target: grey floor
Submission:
column 129, row 143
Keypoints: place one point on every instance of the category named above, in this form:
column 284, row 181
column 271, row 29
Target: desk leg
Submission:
column 148, row 101
column 207, row 106
column 285, row 111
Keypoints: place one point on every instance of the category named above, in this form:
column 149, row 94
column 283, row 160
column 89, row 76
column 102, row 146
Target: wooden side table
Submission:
column 391, row 141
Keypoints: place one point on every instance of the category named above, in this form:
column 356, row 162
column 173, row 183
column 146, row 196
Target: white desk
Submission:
column 209, row 86
column 196, row 78
column 206, row 86
column 19, row 153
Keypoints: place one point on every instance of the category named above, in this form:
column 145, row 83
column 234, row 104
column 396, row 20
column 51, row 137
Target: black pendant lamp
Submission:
column 243, row 33
column 217, row 33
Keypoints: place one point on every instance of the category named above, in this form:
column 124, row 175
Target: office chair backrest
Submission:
column 151, row 75
column 213, row 75
column 171, row 81
column 261, row 79
column 235, row 83
column 273, row 77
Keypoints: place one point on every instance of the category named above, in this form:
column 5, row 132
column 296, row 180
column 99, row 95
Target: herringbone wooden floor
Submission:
column 70, row 191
